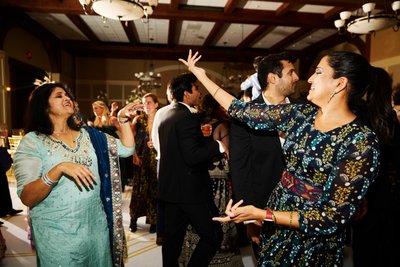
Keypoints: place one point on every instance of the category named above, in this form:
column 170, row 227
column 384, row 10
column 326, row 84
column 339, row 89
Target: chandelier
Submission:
column 148, row 80
column 368, row 23
column 123, row 10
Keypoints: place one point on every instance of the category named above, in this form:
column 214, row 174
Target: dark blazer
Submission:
column 5, row 196
column 256, row 162
column 185, row 157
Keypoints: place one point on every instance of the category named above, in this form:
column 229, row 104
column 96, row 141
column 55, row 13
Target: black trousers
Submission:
column 5, row 196
column 160, row 218
column 177, row 218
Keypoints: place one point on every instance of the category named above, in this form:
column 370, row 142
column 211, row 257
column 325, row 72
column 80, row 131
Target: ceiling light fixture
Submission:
column 123, row 10
column 369, row 23
column 150, row 79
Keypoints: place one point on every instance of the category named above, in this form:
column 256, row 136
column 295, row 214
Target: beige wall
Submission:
column 18, row 42
column 116, row 78
column 385, row 52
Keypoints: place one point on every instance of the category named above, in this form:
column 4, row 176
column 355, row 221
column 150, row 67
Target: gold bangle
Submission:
column 290, row 220
column 273, row 217
column 216, row 91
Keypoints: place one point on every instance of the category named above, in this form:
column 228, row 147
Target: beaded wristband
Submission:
column 48, row 181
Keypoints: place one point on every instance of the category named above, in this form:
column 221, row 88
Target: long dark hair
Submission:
column 38, row 119
column 369, row 91
column 210, row 109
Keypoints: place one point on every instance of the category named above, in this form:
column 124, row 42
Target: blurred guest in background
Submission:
column 6, row 207
column 252, row 81
column 228, row 254
column 144, row 187
column 256, row 157
column 184, row 183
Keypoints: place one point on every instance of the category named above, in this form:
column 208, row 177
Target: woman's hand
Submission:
column 150, row 144
column 191, row 64
column 114, row 108
column 77, row 172
column 229, row 211
column 240, row 214
column 222, row 97
column 136, row 160
column 130, row 110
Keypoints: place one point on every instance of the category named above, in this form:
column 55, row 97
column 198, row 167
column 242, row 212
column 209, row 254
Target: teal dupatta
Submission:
column 111, row 191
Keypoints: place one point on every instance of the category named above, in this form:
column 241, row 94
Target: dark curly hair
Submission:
column 38, row 119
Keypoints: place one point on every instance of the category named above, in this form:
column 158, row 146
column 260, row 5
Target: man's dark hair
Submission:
column 182, row 83
column 272, row 64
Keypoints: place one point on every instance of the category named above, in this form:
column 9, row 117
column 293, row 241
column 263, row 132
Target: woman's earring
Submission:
column 332, row 95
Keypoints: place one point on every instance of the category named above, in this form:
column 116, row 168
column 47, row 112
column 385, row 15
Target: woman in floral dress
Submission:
column 331, row 153
column 144, row 192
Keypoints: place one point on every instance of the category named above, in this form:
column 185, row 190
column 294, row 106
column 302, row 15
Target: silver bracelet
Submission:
column 122, row 122
column 48, row 181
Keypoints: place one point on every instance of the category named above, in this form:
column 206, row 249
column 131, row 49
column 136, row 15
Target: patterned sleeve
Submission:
column 346, row 186
column 27, row 161
column 265, row 117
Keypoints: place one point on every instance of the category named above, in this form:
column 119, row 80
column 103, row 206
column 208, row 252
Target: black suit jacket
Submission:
column 256, row 162
column 185, row 157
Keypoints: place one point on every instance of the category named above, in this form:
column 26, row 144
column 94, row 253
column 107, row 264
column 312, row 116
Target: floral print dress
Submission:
column 144, row 191
column 326, row 176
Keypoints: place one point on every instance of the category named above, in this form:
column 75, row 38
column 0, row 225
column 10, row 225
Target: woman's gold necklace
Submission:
column 58, row 134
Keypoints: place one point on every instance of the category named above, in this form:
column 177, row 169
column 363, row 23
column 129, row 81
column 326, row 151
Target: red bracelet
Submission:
column 268, row 216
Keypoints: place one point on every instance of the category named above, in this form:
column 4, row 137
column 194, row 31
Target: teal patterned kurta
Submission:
column 340, row 163
column 69, row 225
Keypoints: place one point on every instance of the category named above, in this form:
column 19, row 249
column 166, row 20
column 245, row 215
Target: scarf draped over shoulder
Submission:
column 111, row 191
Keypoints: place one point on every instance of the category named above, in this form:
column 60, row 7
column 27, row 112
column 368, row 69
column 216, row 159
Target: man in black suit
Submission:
column 184, row 184
column 256, row 157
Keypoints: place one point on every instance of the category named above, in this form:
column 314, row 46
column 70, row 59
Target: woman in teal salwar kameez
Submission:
column 69, row 178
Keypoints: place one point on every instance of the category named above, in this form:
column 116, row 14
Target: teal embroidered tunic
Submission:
column 69, row 226
column 339, row 164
